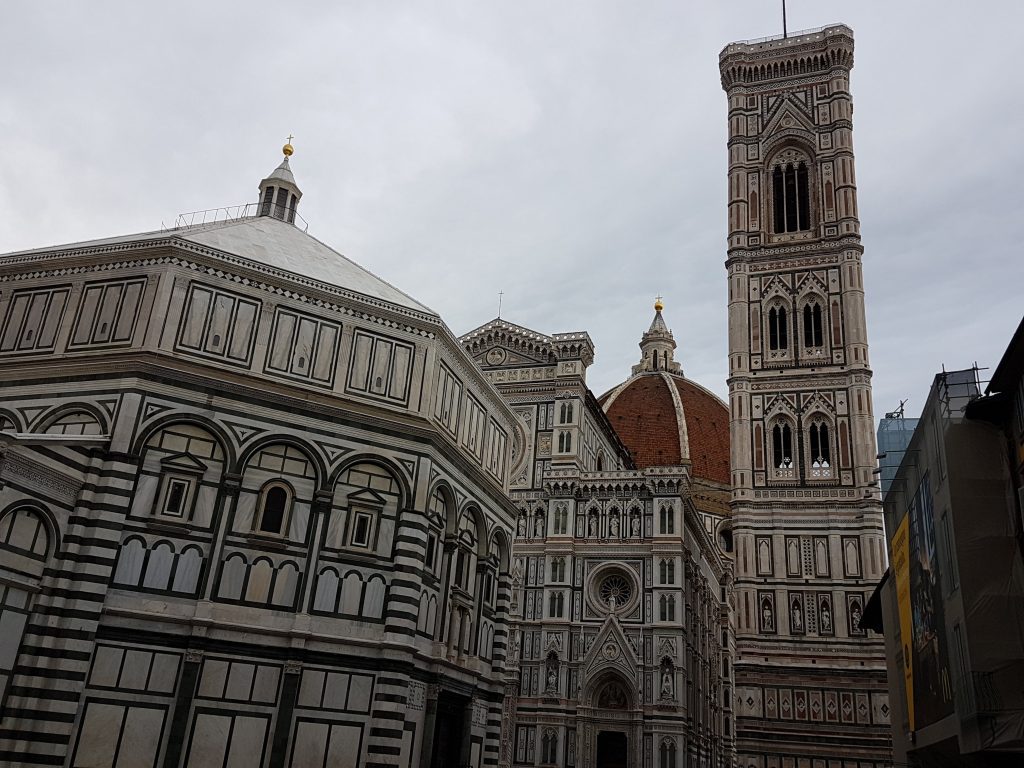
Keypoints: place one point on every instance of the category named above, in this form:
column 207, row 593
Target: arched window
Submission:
column 565, row 414
column 549, row 748
column 667, row 754
column 666, row 520
column 275, row 503
column 820, row 445
column 782, row 446
column 778, row 328
column 667, row 608
column 564, row 442
column 667, row 571
column 791, row 198
column 561, row 520
column 558, row 569
column 556, row 605
column 812, row 325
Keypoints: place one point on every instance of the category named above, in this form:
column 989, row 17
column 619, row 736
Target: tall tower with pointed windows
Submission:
column 806, row 515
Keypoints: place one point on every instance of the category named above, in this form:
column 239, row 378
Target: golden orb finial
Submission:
column 288, row 149
column 658, row 306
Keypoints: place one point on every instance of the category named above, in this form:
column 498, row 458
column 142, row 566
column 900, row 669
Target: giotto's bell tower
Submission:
column 807, row 522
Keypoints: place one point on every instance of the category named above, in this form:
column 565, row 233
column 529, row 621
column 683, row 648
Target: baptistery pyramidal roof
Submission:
column 666, row 419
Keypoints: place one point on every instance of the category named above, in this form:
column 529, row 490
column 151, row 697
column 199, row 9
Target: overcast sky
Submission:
column 570, row 154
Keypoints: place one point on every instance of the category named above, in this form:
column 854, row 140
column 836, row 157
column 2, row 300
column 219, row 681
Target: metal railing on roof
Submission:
column 789, row 36
column 235, row 213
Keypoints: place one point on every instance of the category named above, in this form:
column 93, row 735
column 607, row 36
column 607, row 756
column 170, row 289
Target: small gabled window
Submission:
column 362, row 528
column 176, row 496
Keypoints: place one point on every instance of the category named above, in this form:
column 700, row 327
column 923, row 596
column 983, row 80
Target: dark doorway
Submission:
column 449, row 727
column 611, row 750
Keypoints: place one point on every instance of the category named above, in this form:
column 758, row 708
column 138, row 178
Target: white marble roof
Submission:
column 266, row 240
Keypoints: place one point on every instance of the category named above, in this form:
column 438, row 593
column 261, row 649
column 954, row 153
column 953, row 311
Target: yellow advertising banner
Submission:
column 901, row 568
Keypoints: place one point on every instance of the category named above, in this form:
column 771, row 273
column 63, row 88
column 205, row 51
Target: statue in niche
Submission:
column 538, row 526
column 592, row 525
column 551, row 676
column 613, row 527
column 855, row 616
column 522, row 526
column 767, row 616
column 667, row 681
column 826, row 616
column 635, row 526
column 796, row 615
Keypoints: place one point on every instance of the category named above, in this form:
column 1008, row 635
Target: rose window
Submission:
column 615, row 587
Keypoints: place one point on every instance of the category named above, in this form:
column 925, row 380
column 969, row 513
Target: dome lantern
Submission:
column 657, row 346
column 279, row 194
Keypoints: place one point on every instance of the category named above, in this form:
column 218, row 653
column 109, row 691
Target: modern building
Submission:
column 894, row 433
column 620, row 586
column 253, row 507
column 806, row 515
column 952, row 606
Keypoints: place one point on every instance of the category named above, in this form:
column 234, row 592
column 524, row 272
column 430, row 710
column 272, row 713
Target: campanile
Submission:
column 806, row 516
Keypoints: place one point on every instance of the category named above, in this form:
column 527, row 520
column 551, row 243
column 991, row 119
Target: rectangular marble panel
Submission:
column 32, row 320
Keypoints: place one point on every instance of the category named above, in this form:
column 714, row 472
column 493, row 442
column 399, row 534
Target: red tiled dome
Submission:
column 644, row 413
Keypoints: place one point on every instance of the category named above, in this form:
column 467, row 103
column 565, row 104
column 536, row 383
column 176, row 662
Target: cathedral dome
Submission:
column 666, row 419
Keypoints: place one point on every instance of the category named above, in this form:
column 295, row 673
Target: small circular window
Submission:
column 615, row 586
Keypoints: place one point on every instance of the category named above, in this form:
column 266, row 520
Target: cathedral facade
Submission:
column 806, row 513
column 621, row 622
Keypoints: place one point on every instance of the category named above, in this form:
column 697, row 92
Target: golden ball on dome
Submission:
column 288, row 149
column 658, row 306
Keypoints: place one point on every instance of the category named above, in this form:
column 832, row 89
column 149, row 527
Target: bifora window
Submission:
column 782, row 445
column 821, row 450
column 812, row 325
column 778, row 328
column 790, row 196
